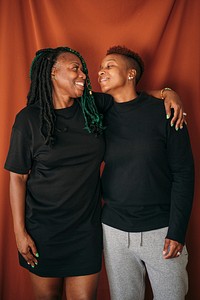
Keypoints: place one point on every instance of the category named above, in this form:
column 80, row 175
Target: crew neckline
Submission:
column 128, row 105
column 67, row 111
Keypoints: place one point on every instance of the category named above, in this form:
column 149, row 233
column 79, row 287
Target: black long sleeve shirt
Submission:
column 148, row 179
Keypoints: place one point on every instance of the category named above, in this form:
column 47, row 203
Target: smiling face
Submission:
column 113, row 75
column 68, row 78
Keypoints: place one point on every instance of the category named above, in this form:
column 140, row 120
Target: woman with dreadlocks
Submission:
column 54, row 160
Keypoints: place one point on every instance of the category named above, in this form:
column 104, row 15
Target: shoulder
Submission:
column 26, row 115
column 151, row 99
column 155, row 104
column 103, row 101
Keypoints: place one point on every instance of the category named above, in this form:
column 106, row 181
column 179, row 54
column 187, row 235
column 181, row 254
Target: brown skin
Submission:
column 119, row 81
column 78, row 287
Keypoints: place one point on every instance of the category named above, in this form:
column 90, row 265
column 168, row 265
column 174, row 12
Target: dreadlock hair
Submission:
column 133, row 58
column 41, row 91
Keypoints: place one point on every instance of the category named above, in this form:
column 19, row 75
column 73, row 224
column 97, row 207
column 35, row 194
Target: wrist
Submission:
column 163, row 91
column 19, row 228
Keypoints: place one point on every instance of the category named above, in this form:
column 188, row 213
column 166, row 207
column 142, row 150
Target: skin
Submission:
column 67, row 84
column 117, row 79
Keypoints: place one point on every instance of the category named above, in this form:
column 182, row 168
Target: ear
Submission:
column 53, row 72
column 132, row 74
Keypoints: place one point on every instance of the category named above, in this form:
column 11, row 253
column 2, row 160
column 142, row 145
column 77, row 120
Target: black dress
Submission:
column 63, row 200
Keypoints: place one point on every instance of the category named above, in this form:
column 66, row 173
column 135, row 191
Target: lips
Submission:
column 103, row 79
column 80, row 84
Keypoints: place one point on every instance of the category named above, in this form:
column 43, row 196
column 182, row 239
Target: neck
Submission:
column 124, row 96
column 62, row 101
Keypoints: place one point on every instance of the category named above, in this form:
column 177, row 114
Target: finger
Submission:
column 177, row 118
column 30, row 258
column 32, row 262
column 175, row 249
column 175, row 115
column 179, row 250
column 184, row 118
column 170, row 247
column 172, row 253
column 182, row 123
column 167, row 109
column 32, row 247
column 34, row 250
column 166, row 247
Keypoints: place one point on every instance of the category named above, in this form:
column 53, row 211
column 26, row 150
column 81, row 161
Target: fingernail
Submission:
column 37, row 254
column 36, row 263
column 164, row 252
column 167, row 116
column 32, row 266
column 28, row 263
column 181, row 127
column 172, row 124
column 176, row 128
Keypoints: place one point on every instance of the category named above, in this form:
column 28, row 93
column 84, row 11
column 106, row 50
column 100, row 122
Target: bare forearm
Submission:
column 17, row 200
column 154, row 93
column 165, row 93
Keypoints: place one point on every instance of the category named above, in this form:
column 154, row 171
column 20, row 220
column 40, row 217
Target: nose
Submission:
column 82, row 75
column 101, row 72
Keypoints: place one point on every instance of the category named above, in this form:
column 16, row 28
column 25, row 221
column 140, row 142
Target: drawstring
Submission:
column 128, row 239
column 141, row 239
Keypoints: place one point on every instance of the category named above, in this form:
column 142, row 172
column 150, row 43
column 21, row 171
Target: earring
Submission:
column 129, row 77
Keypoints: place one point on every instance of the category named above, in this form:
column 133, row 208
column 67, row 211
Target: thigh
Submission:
column 125, row 270
column 168, row 277
column 81, row 287
column 47, row 288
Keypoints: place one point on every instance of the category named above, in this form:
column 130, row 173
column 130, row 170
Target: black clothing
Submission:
column 63, row 204
column 148, row 176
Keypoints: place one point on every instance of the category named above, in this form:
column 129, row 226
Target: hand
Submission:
column 172, row 249
column 27, row 248
column 172, row 100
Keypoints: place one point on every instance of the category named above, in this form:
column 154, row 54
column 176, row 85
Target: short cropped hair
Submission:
column 134, row 60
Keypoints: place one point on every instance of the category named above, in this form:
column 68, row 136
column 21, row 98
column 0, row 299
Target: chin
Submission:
column 104, row 89
column 78, row 95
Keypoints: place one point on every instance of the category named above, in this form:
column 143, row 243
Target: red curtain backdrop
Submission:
column 165, row 33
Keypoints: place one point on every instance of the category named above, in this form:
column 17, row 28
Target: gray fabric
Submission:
column 129, row 255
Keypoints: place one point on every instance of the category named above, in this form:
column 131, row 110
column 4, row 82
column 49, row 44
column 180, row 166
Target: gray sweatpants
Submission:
column 129, row 255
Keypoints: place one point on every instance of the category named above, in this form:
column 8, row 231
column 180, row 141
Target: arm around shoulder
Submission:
column 171, row 101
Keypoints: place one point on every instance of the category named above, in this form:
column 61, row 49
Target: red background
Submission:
column 165, row 33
